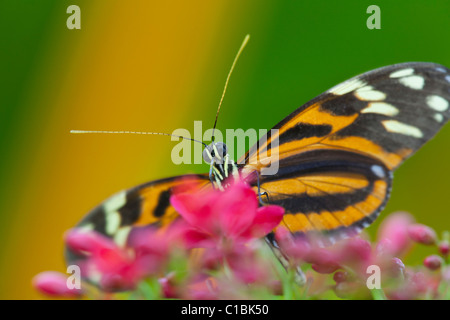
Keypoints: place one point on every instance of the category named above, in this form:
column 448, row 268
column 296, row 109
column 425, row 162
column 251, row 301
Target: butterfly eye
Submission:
column 216, row 151
column 221, row 149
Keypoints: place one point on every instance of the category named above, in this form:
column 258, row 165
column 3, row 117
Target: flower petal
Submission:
column 266, row 219
column 323, row 260
column 88, row 241
column 54, row 284
column 148, row 241
column 196, row 239
column 197, row 208
column 236, row 209
column 393, row 230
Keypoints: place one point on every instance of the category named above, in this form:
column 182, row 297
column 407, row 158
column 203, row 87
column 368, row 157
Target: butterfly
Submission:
column 336, row 156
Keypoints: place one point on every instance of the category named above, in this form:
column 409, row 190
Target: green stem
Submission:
column 378, row 294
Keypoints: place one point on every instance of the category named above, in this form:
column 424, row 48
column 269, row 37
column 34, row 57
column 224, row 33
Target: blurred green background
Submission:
column 160, row 65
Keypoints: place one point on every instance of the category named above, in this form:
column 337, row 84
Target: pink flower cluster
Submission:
column 216, row 235
column 351, row 262
column 215, row 251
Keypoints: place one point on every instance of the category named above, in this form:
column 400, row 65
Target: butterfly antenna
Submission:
column 244, row 43
column 137, row 132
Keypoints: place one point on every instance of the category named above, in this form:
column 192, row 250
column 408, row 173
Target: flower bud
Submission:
column 422, row 234
column 397, row 267
column 393, row 235
column 355, row 253
column 54, row 284
column 433, row 262
column 444, row 248
column 168, row 290
column 276, row 287
column 323, row 261
column 340, row 276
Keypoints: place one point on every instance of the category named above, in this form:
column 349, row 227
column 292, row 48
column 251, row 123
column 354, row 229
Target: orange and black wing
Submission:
column 337, row 152
column 144, row 205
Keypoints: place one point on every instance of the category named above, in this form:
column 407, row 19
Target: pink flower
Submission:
column 393, row 236
column 119, row 268
column 218, row 217
column 415, row 286
column 239, row 262
column 422, row 234
column 150, row 243
column 323, row 260
column 355, row 253
column 296, row 248
column 87, row 242
column 54, row 284
column 246, row 266
column 116, row 266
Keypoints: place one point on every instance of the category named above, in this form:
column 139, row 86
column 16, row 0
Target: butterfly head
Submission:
column 215, row 152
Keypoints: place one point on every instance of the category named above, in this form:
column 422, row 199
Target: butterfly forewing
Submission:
column 336, row 153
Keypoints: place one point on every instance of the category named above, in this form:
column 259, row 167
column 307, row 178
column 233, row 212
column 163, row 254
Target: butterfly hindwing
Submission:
column 336, row 153
column 145, row 205
column 328, row 190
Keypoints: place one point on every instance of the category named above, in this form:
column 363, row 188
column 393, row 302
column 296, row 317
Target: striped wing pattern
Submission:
column 337, row 152
column 144, row 205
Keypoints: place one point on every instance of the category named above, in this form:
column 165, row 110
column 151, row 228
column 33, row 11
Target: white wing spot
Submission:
column 86, row 227
column 441, row 69
column 437, row 103
column 402, row 128
column 378, row 171
column 347, row 86
column 401, row 73
column 121, row 236
column 112, row 219
column 116, row 201
column 381, row 108
column 112, row 216
column 367, row 93
column 413, row 82
column 438, row 117
column 365, row 224
column 447, row 78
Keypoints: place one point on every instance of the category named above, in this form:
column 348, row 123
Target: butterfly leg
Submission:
column 299, row 278
column 259, row 191
column 211, row 178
